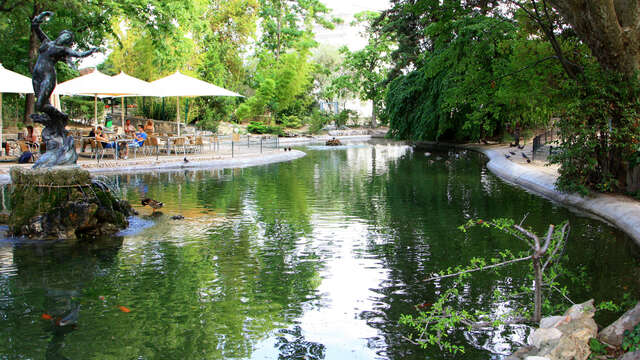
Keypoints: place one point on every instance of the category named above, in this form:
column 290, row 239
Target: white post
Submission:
column 178, row 113
column 95, row 110
column 122, row 111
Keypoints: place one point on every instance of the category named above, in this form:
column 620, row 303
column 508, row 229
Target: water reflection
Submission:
column 316, row 258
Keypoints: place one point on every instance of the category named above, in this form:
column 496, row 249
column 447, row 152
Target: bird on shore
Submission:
column 185, row 160
column 507, row 156
column 154, row 204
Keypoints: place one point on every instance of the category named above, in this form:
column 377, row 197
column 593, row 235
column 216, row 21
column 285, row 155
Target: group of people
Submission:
column 30, row 138
column 138, row 137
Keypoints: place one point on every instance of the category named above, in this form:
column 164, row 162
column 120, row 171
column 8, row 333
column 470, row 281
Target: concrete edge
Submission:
column 238, row 162
column 323, row 138
column 621, row 211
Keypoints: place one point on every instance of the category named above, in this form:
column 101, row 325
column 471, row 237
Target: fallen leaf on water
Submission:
column 47, row 316
column 124, row 309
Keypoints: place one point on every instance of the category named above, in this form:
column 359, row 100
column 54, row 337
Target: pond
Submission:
column 315, row 258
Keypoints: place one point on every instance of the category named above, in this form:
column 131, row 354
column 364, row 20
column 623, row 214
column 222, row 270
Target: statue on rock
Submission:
column 59, row 144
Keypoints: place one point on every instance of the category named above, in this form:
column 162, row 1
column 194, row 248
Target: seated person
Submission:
column 85, row 142
column 101, row 137
column 138, row 140
column 148, row 127
column 129, row 129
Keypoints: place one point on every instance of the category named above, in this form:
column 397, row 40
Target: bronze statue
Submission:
column 59, row 145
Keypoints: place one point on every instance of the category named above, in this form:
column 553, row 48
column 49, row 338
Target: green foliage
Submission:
column 153, row 108
column 81, row 108
column 434, row 322
column 600, row 132
column 283, row 86
column 597, row 347
column 317, row 121
column 291, row 121
column 366, row 70
column 286, row 23
column 257, row 127
column 342, row 118
column 631, row 340
column 328, row 66
column 470, row 86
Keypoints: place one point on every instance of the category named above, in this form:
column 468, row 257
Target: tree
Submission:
column 90, row 21
column 285, row 23
column 436, row 319
column 611, row 29
column 599, row 131
column 284, row 85
column 328, row 67
column 367, row 68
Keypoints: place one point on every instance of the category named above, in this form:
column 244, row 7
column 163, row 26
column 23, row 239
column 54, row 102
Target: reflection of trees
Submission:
column 293, row 346
column 215, row 292
column 415, row 209
column 49, row 279
column 218, row 295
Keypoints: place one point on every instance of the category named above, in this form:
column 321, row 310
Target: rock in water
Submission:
column 63, row 203
column 333, row 142
column 563, row 337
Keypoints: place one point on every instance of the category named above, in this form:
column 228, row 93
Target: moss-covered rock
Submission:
column 63, row 203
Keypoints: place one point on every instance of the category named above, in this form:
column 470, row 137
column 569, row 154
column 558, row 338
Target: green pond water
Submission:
column 315, row 258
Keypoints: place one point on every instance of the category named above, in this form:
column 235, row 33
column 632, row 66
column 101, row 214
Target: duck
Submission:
column 154, row 204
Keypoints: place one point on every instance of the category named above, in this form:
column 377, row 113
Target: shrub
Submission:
column 317, row 121
column 257, row 127
column 152, row 109
column 291, row 121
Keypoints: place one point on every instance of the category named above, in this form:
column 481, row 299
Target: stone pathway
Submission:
column 540, row 177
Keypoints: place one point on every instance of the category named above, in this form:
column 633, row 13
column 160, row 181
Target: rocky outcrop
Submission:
column 63, row 203
column 563, row 337
column 614, row 333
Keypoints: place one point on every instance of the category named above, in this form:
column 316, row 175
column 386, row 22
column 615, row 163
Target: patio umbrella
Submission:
column 140, row 87
column 179, row 84
column 93, row 84
column 12, row 82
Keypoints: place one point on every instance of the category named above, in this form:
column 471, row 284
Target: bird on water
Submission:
column 154, row 204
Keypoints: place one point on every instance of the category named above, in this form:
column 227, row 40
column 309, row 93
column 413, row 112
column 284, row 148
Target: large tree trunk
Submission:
column 611, row 29
column 34, row 43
